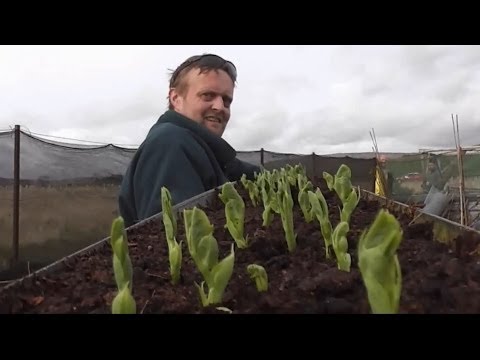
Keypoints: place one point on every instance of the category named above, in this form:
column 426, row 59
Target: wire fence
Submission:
column 67, row 192
column 57, row 197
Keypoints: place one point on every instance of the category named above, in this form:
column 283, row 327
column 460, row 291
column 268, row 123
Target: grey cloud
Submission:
column 423, row 60
column 28, row 121
column 292, row 83
column 139, row 106
column 300, row 99
column 471, row 56
column 376, row 89
column 313, row 130
column 394, row 126
column 455, row 87
column 104, row 120
column 261, row 130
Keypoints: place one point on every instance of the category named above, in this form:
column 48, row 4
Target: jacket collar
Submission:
column 223, row 151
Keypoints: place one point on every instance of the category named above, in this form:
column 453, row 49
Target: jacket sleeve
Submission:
column 171, row 165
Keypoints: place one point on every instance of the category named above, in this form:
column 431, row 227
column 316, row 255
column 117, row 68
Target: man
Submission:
column 383, row 183
column 434, row 178
column 184, row 151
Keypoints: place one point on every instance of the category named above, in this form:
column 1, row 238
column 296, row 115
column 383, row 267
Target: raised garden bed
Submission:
column 436, row 276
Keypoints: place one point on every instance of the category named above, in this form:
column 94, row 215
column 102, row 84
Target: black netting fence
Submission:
column 363, row 170
column 6, row 196
column 68, row 193
column 67, row 196
column 43, row 162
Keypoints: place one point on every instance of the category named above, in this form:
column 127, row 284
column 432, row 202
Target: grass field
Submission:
column 416, row 185
column 56, row 221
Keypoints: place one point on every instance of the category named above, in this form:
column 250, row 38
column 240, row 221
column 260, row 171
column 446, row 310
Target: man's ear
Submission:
column 173, row 97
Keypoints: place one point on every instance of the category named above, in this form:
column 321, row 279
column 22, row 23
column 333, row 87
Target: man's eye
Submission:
column 208, row 96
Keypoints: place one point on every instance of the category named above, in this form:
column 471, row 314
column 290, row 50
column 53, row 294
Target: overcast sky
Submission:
column 297, row 99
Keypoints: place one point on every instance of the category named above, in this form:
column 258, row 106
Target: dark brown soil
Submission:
column 436, row 279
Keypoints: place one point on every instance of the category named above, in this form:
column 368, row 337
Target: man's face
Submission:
column 206, row 100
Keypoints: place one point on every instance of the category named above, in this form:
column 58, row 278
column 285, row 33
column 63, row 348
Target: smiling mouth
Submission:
column 213, row 119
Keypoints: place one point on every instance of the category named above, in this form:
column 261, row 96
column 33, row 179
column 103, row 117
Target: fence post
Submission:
column 261, row 156
column 314, row 170
column 16, row 195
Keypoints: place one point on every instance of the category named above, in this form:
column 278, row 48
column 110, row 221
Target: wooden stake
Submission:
column 461, row 178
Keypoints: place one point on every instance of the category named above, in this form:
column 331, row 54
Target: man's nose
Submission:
column 218, row 103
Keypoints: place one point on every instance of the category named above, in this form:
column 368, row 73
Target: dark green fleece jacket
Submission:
column 181, row 155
